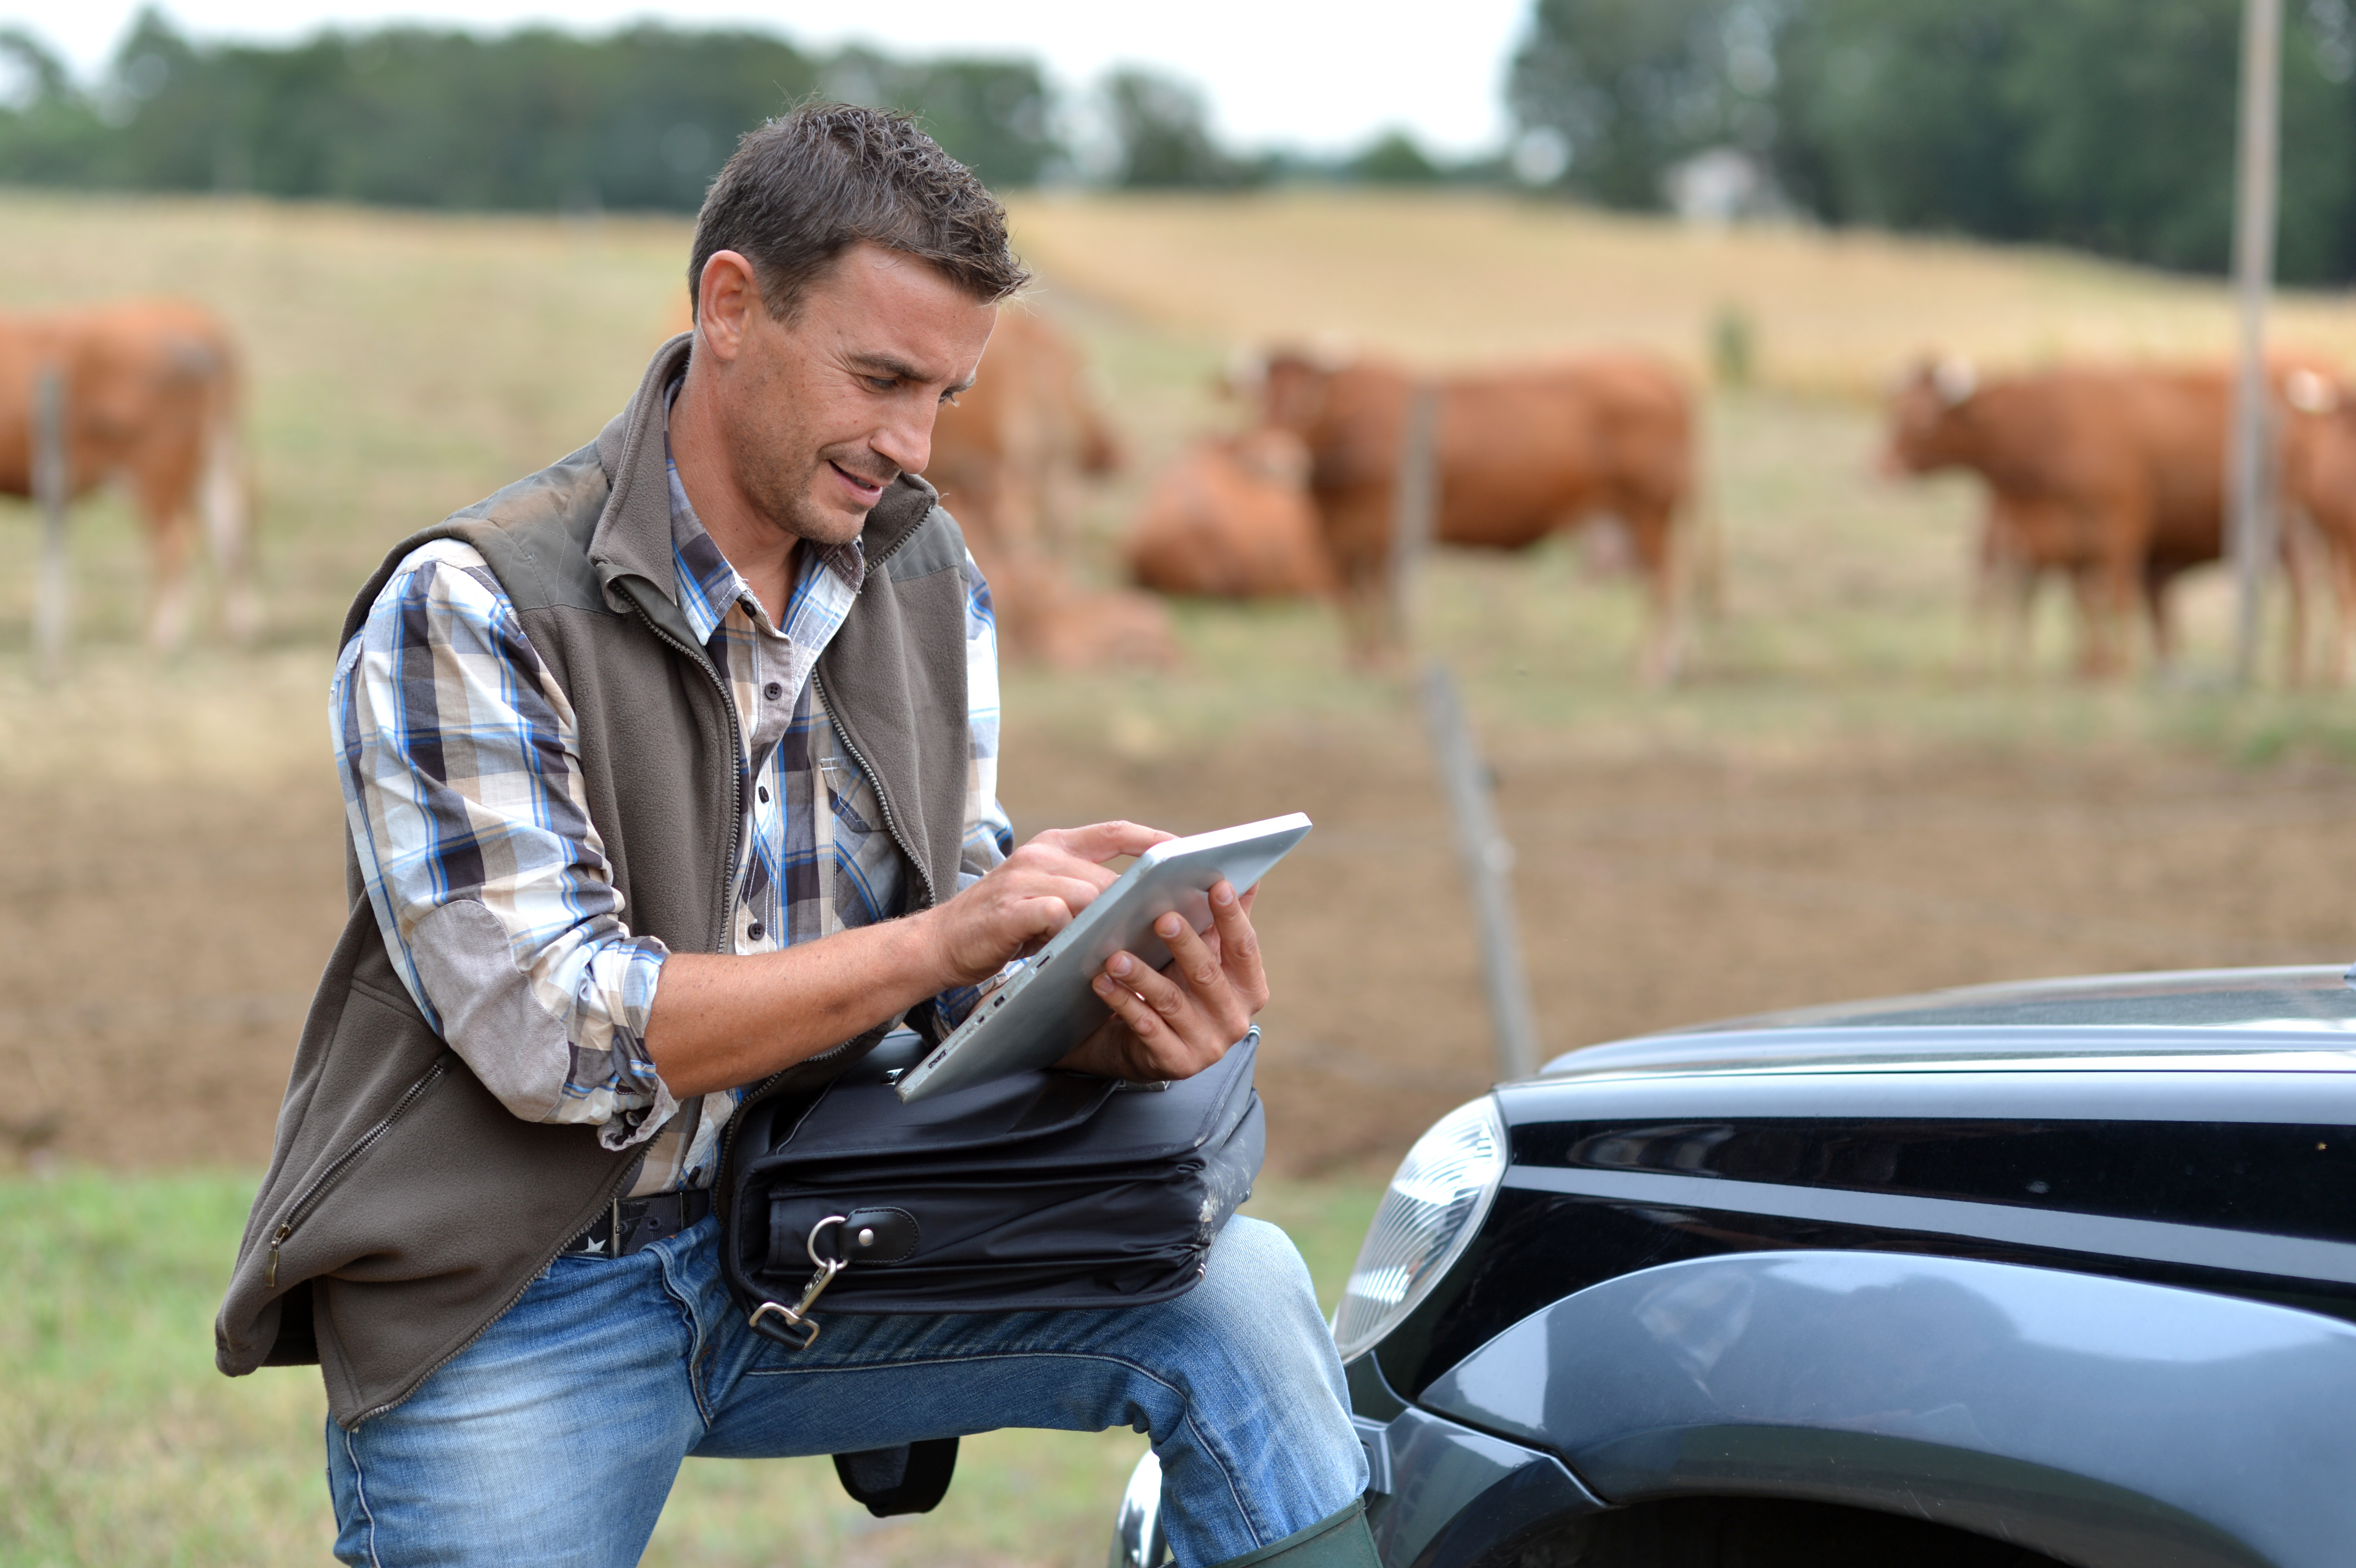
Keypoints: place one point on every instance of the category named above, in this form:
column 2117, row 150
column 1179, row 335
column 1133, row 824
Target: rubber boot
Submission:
column 1338, row 1541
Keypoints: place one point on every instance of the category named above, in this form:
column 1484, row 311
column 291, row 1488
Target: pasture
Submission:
column 1831, row 805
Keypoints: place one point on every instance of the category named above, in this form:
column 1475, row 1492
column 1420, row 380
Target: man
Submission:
column 667, row 768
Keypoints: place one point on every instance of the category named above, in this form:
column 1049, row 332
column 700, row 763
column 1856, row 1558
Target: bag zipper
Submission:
column 327, row 1178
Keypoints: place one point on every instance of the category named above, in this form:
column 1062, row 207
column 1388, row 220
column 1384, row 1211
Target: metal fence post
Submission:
column 52, row 607
column 1488, row 873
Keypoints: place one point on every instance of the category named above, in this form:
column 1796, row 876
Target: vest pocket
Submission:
column 325, row 1182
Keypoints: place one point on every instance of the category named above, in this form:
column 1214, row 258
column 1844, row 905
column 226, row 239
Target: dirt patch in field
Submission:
column 157, row 947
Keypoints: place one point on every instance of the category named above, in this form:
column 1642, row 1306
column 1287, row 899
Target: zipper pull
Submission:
column 270, row 1275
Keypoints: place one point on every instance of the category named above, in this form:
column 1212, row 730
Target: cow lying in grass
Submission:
column 1231, row 520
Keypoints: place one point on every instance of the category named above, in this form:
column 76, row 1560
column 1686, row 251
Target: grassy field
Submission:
column 1459, row 277
column 120, row 1445
column 403, row 365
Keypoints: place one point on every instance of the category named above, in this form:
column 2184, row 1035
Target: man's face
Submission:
column 823, row 411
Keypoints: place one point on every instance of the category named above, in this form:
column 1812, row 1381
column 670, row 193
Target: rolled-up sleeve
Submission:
column 461, row 772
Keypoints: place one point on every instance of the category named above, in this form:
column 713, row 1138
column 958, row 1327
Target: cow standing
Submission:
column 1007, row 457
column 1231, row 520
column 2114, row 476
column 1522, row 453
column 2320, row 492
column 150, row 395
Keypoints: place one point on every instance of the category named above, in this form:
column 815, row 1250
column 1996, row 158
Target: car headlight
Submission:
column 1435, row 1204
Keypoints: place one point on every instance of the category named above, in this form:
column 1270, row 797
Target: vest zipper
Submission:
column 303, row 1205
column 735, row 756
column 751, row 1096
column 883, row 797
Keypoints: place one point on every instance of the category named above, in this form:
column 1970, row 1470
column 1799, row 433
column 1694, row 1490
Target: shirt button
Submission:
column 763, row 793
column 754, row 931
column 772, row 692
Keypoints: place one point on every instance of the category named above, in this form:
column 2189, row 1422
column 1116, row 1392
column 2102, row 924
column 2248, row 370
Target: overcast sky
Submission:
column 1321, row 77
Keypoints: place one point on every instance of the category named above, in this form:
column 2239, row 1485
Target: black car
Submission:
column 2050, row 1273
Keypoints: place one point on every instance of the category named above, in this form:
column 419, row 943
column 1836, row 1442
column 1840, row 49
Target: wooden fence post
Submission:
column 1415, row 502
column 1488, row 867
column 52, row 484
column 2251, row 501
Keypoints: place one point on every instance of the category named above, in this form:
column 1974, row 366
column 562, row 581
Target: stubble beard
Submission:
column 786, row 478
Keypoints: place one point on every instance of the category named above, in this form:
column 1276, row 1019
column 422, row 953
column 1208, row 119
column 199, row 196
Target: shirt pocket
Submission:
column 850, row 798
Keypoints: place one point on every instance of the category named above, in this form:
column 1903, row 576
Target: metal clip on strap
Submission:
column 797, row 1316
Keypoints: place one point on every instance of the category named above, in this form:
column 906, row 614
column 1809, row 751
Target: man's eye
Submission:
column 883, row 383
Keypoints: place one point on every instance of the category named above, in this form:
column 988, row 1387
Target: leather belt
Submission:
column 642, row 1222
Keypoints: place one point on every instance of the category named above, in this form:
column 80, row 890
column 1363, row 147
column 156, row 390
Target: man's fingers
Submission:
column 1143, row 1019
column 1102, row 841
column 1039, row 917
column 1239, row 943
column 1189, row 955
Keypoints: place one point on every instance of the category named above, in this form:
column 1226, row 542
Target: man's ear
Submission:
column 726, row 295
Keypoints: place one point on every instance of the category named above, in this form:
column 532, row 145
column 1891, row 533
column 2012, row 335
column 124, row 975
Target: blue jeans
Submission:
column 555, row 1437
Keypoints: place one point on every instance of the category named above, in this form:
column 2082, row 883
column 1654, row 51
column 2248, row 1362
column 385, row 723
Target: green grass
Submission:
column 119, row 1442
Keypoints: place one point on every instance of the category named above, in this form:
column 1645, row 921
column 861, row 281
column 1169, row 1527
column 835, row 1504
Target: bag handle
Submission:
column 911, row 1478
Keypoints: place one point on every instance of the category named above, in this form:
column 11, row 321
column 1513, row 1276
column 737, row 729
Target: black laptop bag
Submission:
column 1039, row 1189
column 1042, row 1189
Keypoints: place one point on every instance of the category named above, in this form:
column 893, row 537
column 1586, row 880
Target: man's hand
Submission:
column 1030, row 896
column 1175, row 1022
column 720, row 1020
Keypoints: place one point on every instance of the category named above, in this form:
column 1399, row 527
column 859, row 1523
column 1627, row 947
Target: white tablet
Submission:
column 1049, row 1005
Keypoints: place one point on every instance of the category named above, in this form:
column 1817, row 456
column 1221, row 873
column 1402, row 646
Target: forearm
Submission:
column 719, row 1020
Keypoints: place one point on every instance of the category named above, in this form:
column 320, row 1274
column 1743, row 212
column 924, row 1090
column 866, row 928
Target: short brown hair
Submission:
column 807, row 186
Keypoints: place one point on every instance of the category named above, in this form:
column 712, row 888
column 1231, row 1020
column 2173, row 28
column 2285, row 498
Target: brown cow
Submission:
column 1231, row 519
column 1522, row 453
column 2113, row 476
column 1007, row 459
column 151, row 392
column 2319, row 497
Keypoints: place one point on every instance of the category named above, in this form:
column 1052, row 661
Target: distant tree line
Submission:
column 640, row 118
column 2104, row 124
column 534, row 119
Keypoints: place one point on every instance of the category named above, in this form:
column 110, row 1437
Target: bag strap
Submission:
column 911, row 1478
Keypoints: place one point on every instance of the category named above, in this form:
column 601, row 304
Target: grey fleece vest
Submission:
column 406, row 1207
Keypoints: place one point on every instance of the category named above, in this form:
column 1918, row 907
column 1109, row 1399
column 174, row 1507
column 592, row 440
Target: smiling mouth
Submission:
column 870, row 488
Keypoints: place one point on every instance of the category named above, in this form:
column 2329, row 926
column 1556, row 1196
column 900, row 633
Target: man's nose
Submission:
column 905, row 441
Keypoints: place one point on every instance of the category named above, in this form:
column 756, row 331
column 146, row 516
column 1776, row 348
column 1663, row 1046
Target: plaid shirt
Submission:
column 461, row 774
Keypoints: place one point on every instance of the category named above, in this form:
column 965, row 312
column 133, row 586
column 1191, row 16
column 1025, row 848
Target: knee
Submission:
column 1256, row 1302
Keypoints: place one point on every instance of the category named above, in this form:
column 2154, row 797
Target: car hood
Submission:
column 2301, row 1019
